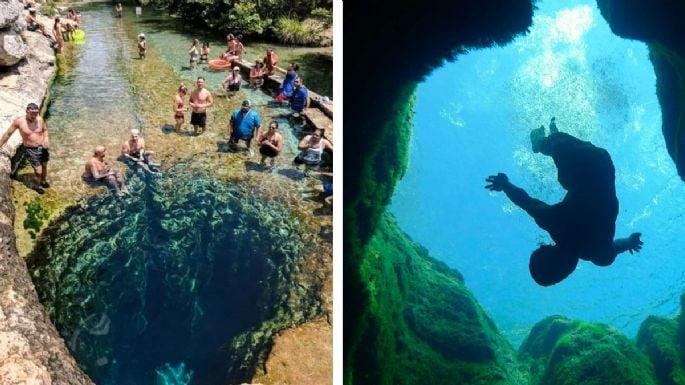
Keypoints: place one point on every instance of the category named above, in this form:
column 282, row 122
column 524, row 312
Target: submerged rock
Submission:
column 583, row 353
column 184, row 274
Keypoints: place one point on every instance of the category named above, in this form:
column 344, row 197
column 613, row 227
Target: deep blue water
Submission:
column 473, row 118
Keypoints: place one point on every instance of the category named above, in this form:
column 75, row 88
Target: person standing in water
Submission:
column 311, row 150
column 270, row 144
column 34, row 136
column 232, row 82
column 204, row 52
column 142, row 46
column 200, row 100
column 179, row 107
column 119, row 10
column 194, row 53
column 58, row 31
column 583, row 224
column 244, row 125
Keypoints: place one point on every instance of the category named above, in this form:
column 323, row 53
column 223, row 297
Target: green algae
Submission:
column 423, row 323
column 200, row 242
column 36, row 216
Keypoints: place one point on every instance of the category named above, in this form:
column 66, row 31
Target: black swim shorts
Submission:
column 234, row 87
column 37, row 155
column 198, row 119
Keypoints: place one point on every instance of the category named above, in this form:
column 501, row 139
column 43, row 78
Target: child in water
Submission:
column 142, row 46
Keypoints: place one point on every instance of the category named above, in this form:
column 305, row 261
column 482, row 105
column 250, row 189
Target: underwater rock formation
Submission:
column 659, row 24
column 382, row 126
column 423, row 323
column 190, row 275
column 567, row 352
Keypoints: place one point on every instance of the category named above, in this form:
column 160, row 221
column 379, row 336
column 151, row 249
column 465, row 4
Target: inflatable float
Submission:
column 79, row 36
column 221, row 64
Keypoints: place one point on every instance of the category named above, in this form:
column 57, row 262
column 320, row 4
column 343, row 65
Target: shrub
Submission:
column 307, row 32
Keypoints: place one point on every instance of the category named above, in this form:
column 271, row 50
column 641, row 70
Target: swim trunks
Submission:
column 268, row 151
column 198, row 119
column 234, row 87
column 32, row 27
column 37, row 155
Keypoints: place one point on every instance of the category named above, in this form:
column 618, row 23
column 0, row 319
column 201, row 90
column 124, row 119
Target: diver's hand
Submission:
column 497, row 182
column 634, row 243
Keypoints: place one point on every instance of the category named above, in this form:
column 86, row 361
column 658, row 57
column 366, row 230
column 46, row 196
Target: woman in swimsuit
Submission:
column 204, row 52
column 311, row 150
column 257, row 74
column 179, row 107
column 194, row 53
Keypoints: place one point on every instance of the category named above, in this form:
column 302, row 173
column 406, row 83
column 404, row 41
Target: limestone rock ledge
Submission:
column 31, row 350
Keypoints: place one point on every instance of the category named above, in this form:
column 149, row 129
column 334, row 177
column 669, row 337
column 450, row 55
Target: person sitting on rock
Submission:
column 257, row 74
column 270, row 61
column 582, row 225
column 270, row 144
column 98, row 172
column 288, row 85
column 134, row 153
column 33, row 25
column 299, row 100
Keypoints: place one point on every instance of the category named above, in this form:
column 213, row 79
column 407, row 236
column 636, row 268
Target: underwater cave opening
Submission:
column 159, row 287
column 473, row 118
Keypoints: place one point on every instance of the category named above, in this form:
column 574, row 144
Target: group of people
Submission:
column 62, row 30
column 245, row 125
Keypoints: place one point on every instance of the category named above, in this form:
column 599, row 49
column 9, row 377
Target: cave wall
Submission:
column 381, row 341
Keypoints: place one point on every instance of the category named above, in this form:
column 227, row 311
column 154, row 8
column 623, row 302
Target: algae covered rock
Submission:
column 423, row 325
column 182, row 278
column 658, row 338
column 583, row 353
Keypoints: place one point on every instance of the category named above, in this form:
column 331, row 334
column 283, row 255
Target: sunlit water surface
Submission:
column 473, row 119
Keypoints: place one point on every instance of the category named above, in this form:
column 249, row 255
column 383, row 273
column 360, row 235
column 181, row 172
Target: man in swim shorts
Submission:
column 134, row 151
column 244, row 125
column 200, row 100
column 34, row 135
column 98, row 171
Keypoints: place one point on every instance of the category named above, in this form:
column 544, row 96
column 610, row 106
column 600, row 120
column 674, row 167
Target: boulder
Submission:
column 10, row 10
column 12, row 48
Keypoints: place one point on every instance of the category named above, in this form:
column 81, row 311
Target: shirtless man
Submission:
column 133, row 150
column 32, row 23
column 179, row 107
column 34, row 135
column 98, row 172
column 200, row 100
column 58, row 31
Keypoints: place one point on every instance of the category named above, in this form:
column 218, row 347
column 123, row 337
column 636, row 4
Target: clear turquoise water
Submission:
column 473, row 118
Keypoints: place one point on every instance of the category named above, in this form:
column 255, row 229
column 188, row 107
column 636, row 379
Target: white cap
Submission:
column 141, row 35
column 236, row 68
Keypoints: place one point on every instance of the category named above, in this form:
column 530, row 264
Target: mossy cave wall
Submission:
column 410, row 319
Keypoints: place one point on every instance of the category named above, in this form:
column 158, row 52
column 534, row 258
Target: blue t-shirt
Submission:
column 288, row 83
column 244, row 125
column 298, row 100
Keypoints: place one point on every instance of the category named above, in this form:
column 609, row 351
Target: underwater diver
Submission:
column 582, row 225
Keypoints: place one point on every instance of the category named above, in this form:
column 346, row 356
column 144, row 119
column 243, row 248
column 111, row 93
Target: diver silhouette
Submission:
column 582, row 225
